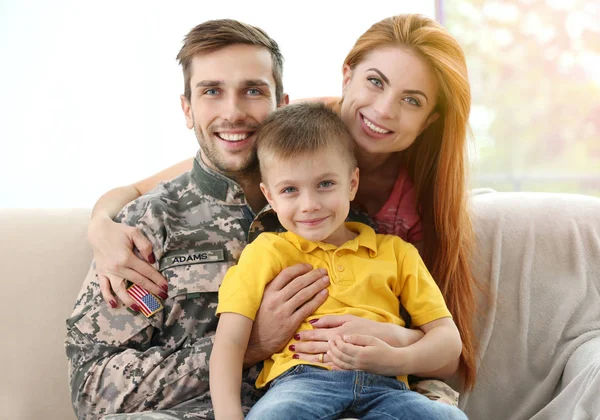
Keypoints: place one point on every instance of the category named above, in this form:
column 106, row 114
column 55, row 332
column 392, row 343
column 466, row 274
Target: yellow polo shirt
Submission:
column 370, row 275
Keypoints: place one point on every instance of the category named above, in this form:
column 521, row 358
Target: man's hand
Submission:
column 312, row 343
column 291, row 297
column 113, row 244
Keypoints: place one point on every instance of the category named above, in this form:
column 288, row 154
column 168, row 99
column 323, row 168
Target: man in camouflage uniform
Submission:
column 198, row 224
column 156, row 367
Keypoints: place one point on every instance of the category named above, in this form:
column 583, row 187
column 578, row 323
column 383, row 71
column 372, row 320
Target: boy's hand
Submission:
column 312, row 343
column 364, row 352
column 289, row 299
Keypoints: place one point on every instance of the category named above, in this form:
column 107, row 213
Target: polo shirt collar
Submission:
column 366, row 238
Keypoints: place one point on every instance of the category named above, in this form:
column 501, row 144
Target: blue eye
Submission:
column 254, row 92
column 211, row 92
column 326, row 184
column 375, row 81
column 289, row 190
column 412, row 101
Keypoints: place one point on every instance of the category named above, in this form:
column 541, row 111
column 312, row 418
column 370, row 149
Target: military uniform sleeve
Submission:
column 417, row 290
column 114, row 364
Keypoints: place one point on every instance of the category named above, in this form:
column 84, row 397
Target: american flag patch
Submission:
column 149, row 304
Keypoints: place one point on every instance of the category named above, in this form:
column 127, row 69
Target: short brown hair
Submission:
column 303, row 129
column 213, row 35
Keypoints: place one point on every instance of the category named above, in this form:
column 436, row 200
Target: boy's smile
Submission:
column 311, row 194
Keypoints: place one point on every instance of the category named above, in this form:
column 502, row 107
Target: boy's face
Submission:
column 311, row 194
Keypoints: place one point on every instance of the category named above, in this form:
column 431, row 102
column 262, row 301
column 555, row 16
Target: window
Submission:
column 534, row 67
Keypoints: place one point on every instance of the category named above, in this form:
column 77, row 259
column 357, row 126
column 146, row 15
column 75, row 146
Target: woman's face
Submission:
column 388, row 99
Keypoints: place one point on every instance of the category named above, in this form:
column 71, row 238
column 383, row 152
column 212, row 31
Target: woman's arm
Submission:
column 110, row 203
column 440, row 346
column 113, row 243
column 225, row 371
column 171, row 172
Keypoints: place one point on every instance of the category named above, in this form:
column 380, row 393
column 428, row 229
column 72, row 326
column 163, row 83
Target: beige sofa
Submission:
column 537, row 258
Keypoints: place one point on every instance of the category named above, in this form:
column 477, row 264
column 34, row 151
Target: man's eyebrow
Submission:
column 409, row 91
column 245, row 83
column 255, row 82
column 209, row 83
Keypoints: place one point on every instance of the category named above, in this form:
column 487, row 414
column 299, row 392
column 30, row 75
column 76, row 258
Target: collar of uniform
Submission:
column 366, row 238
column 265, row 221
column 215, row 184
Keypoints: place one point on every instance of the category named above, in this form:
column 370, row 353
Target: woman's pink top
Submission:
column 399, row 216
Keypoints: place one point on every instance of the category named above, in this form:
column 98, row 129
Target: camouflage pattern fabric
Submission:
column 436, row 390
column 120, row 362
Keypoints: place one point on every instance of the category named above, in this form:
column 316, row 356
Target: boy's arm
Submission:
column 439, row 348
column 231, row 341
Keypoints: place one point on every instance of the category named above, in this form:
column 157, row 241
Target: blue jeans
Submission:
column 311, row 393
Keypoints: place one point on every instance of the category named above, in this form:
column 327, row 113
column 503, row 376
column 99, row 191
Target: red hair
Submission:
column 437, row 163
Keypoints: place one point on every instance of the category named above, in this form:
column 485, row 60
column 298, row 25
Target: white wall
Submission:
column 89, row 90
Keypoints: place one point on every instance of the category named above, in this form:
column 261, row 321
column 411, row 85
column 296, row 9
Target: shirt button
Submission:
column 340, row 268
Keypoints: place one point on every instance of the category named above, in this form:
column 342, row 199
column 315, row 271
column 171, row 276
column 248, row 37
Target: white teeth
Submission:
column 374, row 127
column 234, row 137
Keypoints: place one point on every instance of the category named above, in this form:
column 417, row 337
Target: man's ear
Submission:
column 285, row 100
column 346, row 77
column 267, row 195
column 354, row 183
column 187, row 111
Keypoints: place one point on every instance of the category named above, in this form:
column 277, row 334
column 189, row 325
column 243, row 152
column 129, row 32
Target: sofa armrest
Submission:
column 577, row 393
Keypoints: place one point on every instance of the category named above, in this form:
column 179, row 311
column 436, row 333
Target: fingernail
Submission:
column 296, row 336
column 151, row 258
column 163, row 295
column 323, row 271
column 292, row 348
column 312, row 321
column 323, row 292
column 113, row 304
column 325, row 280
column 135, row 307
column 165, row 287
column 295, row 356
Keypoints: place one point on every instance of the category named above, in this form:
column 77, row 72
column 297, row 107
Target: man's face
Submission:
column 232, row 92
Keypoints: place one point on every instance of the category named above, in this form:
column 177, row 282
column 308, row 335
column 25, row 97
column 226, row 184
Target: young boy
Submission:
column 310, row 176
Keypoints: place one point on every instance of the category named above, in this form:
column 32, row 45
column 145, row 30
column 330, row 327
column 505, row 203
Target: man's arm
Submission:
column 231, row 340
column 291, row 297
column 114, row 367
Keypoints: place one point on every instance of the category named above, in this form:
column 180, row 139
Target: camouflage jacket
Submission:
column 120, row 362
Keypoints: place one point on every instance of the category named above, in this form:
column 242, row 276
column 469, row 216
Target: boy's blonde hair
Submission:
column 301, row 130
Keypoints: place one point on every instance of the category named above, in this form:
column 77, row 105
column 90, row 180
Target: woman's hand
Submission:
column 312, row 343
column 113, row 244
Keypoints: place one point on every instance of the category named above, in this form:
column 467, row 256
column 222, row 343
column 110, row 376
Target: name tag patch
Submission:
column 194, row 256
